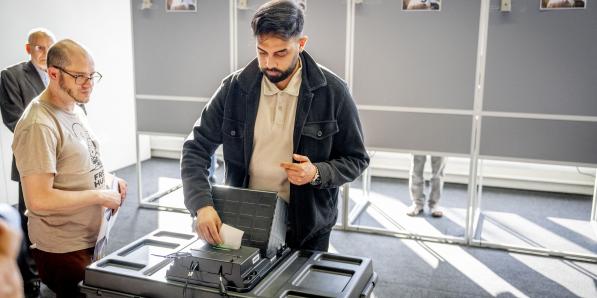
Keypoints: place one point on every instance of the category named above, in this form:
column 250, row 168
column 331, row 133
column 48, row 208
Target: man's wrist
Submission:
column 317, row 178
column 204, row 207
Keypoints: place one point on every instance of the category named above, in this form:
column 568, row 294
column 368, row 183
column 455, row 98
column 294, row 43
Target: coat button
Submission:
column 319, row 133
column 233, row 132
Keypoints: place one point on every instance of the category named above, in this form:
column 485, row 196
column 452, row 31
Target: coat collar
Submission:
column 33, row 76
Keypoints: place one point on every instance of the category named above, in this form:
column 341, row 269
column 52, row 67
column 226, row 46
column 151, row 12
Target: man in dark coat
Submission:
column 286, row 124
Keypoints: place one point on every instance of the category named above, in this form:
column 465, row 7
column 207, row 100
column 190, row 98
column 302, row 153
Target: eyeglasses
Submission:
column 39, row 48
column 82, row 79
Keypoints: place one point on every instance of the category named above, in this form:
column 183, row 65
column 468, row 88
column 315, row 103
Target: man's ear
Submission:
column 52, row 72
column 28, row 48
column 303, row 42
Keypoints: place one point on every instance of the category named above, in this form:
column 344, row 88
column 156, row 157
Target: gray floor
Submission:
column 523, row 218
column 410, row 268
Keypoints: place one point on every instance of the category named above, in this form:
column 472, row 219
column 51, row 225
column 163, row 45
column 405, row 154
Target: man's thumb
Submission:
column 299, row 157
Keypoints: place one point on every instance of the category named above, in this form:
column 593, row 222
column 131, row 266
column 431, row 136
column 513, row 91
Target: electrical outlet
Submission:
column 242, row 4
column 506, row 5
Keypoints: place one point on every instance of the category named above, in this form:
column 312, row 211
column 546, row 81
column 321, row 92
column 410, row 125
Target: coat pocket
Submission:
column 233, row 133
column 320, row 130
column 318, row 138
column 233, row 128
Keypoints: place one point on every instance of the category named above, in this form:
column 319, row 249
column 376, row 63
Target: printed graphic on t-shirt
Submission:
column 81, row 133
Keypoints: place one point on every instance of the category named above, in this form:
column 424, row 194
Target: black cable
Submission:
column 223, row 291
column 192, row 269
column 174, row 255
column 194, row 266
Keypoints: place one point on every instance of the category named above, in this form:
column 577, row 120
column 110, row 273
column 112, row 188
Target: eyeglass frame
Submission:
column 39, row 48
column 91, row 77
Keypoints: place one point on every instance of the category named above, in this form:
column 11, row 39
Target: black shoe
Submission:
column 32, row 288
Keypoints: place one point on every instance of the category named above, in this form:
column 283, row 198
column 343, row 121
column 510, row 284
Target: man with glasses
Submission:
column 63, row 178
column 19, row 84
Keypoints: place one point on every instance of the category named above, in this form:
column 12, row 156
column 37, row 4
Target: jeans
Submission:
column 416, row 182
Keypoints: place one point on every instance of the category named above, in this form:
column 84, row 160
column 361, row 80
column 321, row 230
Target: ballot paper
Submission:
column 109, row 217
column 231, row 236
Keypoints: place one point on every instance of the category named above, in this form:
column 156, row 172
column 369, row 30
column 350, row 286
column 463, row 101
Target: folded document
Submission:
column 109, row 217
column 231, row 236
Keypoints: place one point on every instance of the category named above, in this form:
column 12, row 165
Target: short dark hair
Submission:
column 58, row 54
column 280, row 18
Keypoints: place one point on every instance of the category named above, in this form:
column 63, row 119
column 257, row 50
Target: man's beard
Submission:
column 70, row 92
column 282, row 75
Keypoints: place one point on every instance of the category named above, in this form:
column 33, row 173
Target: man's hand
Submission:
column 299, row 173
column 110, row 199
column 122, row 188
column 10, row 278
column 208, row 225
column 10, row 241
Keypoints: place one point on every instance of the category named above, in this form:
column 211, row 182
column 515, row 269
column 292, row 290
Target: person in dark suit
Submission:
column 19, row 84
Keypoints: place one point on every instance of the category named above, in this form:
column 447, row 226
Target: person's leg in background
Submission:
column 416, row 184
column 320, row 242
column 31, row 282
column 438, row 163
column 62, row 272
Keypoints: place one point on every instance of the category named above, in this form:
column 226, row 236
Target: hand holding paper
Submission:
column 231, row 236
column 107, row 222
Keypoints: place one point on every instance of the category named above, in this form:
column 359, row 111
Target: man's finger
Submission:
column 205, row 235
column 293, row 175
column 212, row 235
column 291, row 166
column 122, row 189
column 300, row 158
column 288, row 165
column 215, row 235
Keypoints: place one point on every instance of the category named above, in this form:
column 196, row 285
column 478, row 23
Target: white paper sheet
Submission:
column 231, row 236
column 109, row 217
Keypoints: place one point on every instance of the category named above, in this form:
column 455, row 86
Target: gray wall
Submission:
column 541, row 62
column 556, row 140
column 168, row 117
column 416, row 59
column 417, row 131
column 181, row 53
column 538, row 62
column 178, row 54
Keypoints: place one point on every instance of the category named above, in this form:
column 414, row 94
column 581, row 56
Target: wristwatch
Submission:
column 316, row 179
